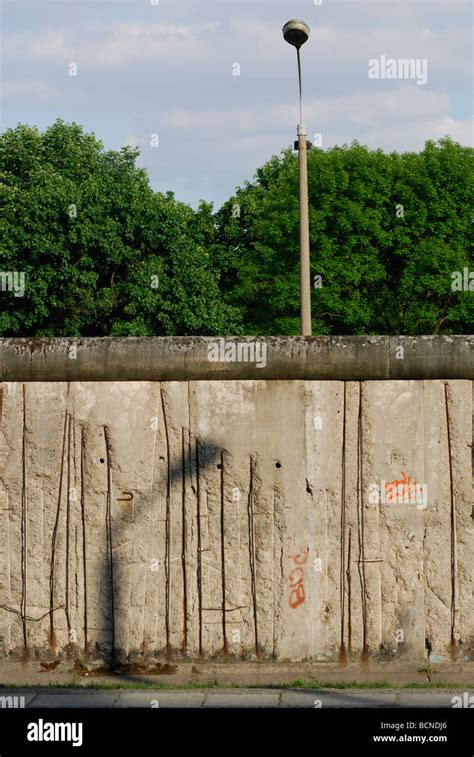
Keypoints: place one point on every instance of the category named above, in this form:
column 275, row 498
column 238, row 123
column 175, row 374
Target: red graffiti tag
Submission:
column 295, row 579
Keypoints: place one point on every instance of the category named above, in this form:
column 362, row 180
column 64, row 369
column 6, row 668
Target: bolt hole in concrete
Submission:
column 102, row 460
column 219, row 466
column 277, row 465
column 161, row 457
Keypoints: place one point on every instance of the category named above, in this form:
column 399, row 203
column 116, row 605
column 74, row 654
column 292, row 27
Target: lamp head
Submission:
column 296, row 32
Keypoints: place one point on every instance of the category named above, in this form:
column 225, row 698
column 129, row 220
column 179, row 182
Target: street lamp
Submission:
column 296, row 33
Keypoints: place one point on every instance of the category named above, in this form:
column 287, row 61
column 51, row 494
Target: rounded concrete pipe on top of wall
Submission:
column 346, row 358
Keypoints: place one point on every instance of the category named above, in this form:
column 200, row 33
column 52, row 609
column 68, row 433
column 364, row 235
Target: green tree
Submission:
column 386, row 232
column 101, row 252
column 104, row 254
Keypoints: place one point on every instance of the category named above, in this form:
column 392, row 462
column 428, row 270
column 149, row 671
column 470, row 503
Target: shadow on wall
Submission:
column 79, row 546
column 197, row 456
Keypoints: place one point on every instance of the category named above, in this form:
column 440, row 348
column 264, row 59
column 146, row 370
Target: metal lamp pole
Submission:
column 296, row 33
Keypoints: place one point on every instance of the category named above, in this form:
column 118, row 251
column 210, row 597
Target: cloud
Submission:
column 402, row 118
column 49, row 45
column 36, row 91
column 214, row 119
column 401, row 105
column 413, row 138
column 115, row 45
column 131, row 141
column 394, row 103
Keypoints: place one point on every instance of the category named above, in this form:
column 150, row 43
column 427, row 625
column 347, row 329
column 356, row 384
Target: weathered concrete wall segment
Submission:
column 237, row 516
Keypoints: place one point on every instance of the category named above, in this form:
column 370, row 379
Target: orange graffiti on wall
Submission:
column 296, row 577
column 400, row 488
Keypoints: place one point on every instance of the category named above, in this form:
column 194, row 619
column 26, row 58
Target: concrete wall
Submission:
column 188, row 358
column 236, row 517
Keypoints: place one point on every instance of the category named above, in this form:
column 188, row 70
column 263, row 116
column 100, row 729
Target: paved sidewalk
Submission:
column 232, row 698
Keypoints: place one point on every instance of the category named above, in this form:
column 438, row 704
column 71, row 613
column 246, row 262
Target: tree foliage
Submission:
column 103, row 254
column 386, row 233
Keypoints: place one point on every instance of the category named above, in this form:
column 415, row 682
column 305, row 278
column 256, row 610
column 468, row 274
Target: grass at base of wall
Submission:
column 297, row 684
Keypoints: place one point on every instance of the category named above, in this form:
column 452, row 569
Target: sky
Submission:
column 208, row 91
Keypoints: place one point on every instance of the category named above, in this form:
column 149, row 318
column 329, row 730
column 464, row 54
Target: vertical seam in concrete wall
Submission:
column 52, row 640
column 224, row 630
column 76, row 560
column 84, row 542
column 68, row 506
column 423, row 544
column 342, row 653
column 167, row 527
column 183, row 542
column 472, row 442
column 108, row 522
column 273, row 576
column 185, row 521
column 199, row 556
column 278, row 570
column 453, row 523
column 349, row 593
column 152, row 482
column 24, row 531
column 360, row 509
column 252, row 556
